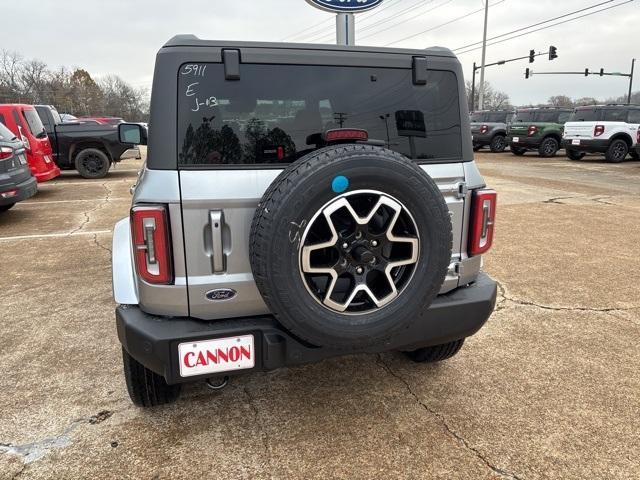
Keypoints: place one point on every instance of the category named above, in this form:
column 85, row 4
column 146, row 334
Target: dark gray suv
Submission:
column 489, row 128
column 299, row 202
column 16, row 181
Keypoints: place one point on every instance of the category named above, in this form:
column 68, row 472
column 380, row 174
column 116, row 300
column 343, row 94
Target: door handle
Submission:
column 216, row 222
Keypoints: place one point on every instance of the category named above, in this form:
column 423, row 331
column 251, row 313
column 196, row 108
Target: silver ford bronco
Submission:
column 299, row 202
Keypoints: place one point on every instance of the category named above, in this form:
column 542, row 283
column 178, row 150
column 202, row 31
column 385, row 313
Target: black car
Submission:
column 16, row 181
column 89, row 148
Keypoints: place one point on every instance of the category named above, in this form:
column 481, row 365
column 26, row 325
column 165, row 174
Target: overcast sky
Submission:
column 122, row 36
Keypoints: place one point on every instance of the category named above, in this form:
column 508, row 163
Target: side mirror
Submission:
column 133, row 133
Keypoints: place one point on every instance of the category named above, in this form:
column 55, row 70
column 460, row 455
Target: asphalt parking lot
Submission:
column 548, row 389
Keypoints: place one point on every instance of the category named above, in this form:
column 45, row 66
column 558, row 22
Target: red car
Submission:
column 24, row 122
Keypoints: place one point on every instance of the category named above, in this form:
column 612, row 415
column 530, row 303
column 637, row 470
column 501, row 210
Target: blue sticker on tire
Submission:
column 340, row 184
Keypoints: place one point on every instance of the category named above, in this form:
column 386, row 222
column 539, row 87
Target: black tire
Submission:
column 635, row 154
column 4, row 208
column 92, row 163
column 477, row 147
column 147, row 388
column 290, row 204
column 549, row 147
column 498, row 144
column 617, row 151
column 518, row 151
column 575, row 154
column 436, row 353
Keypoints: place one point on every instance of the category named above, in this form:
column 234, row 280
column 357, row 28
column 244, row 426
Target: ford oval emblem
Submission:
column 221, row 294
column 345, row 6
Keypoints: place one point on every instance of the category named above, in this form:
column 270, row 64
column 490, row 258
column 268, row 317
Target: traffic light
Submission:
column 586, row 72
column 532, row 56
column 602, row 72
column 527, row 74
column 553, row 52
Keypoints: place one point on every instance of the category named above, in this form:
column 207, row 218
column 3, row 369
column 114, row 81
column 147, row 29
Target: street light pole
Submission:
column 473, row 89
column 484, row 52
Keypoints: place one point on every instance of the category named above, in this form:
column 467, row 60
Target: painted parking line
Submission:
column 54, row 235
column 47, row 202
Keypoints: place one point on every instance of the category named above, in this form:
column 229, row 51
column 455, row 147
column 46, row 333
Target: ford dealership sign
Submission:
column 345, row 6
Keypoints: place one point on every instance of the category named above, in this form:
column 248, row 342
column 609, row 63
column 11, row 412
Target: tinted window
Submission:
column 584, row 115
column 277, row 113
column 564, row 117
column 615, row 115
column 551, row 117
column 476, row 117
column 497, row 117
column 526, row 116
column 5, row 133
column 56, row 116
column 33, row 122
column 634, row 116
column 42, row 113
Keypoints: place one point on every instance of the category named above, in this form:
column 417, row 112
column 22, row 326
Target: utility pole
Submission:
column 473, row 89
column 484, row 52
column 633, row 64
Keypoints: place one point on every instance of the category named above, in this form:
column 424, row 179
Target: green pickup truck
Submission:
column 537, row 129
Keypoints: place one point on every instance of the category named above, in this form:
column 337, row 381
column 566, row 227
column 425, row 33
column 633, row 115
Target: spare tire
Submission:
column 350, row 245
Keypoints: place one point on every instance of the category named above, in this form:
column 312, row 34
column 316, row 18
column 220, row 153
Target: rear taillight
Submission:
column 151, row 243
column 598, row 130
column 6, row 152
column 483, row 215
column 484, row 129
column 532, row 130
column 9, row 194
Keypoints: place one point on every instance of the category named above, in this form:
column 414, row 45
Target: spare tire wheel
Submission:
column 350, row 245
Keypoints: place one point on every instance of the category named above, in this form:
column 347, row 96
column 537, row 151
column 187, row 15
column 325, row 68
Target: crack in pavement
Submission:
column 459, row 438
column 98, row 244
column 87, row 213
column 504, row 298
column 556, row 200
column 263, row 433
column 30, row 452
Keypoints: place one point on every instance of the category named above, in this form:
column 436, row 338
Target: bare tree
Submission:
column 493, row 99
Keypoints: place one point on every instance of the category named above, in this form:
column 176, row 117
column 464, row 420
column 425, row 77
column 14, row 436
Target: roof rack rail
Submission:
column 623, row 105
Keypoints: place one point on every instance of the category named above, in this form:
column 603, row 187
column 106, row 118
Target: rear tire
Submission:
column 477, row 147
column 549, row 147
column 437, row 353
column 147, row 388
column 617, row 151
column 92, row 163
column 4, row 208
column 498, row 144
column 575, row 155
column 518, row 151
column 635, row 154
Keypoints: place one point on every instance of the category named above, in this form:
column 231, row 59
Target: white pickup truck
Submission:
column 610, row 129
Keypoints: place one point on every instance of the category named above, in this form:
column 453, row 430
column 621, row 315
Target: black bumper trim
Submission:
column 524, row 142
column 25, row 189
column 153, row 341
column 598, row 146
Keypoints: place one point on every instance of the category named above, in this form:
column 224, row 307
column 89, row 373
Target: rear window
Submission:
column 33, row 122
column 615, row 115
column 275, row 114
column 526, row 116
column 477, row 117
column 550, row 117
column 585, row 115
column 496, row 117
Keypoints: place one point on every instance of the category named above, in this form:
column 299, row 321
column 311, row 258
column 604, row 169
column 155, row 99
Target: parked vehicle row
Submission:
column 613, row 130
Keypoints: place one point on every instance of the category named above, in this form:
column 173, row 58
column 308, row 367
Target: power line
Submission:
column 545, row 27
column 407, row 19
column 443, row 24
column 535, row 25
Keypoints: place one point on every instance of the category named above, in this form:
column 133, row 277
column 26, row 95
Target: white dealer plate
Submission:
column 575, row 141
column 215, row 356
column 515, row 139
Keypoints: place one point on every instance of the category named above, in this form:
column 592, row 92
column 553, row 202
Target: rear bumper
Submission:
column 481, row 140
column 24, row 190
column 524, row 142
column 48, row 175
column 153, row 341
column 598, row 145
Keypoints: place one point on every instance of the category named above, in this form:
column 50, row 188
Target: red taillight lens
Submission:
column 483, row 215
column 151, row 243
column 598, row 130
column 6, row 152
column 484, row 129
column 342, row 134
column 532, row 130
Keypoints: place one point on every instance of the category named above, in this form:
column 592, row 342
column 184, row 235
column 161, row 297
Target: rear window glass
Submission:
column 477, row 117
column 551, row 117
column 277, row 113
column 5, row 133
column 496, row 117
column 33, row 121
column 585, row 115
column 634, row 116
column 526, row 116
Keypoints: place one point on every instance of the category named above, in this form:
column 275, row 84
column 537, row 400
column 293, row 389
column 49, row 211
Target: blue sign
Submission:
column 345, row 6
